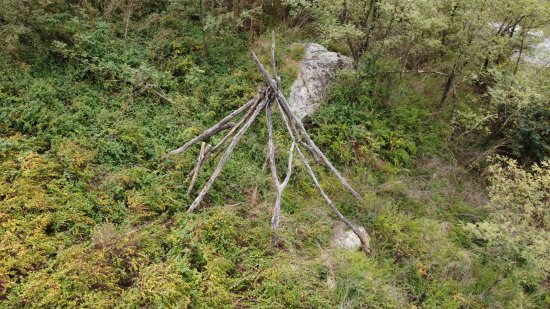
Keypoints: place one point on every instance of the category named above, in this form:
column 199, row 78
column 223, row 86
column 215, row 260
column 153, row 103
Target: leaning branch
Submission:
column 227, row 153
column 296, row 122
column 297, row 132
column 362, row 237
column 229, row 134
column 279, row 186
column 197, row 168
column 220, row 126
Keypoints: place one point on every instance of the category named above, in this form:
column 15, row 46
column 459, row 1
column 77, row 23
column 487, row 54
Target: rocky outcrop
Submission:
column 317, row 71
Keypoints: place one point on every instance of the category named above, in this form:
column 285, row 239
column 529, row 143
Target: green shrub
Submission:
column 515, row 237
column 357, row 123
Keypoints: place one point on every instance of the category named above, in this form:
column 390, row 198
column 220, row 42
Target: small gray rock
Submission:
column 317, row 71
column 346, row 239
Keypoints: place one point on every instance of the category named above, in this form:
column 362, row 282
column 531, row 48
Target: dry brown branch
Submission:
column 227, row 153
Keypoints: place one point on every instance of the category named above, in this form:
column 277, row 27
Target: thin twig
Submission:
column 161, row 94
column 417, row 72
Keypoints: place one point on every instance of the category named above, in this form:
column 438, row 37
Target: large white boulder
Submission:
column 317, row 71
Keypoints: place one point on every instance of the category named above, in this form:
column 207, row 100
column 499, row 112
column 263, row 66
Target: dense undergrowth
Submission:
column 92, row 216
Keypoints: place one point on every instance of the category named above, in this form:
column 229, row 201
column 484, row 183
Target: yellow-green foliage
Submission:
column 517, row 234
column 93, row 93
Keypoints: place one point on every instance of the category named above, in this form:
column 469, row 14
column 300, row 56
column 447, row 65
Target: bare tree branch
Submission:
column 279, row 187
column 214, row 150
column 297, row 133
column 418, row 72
column 220, row 126
column 238, row 125
column 294, row 120
column 289, row 165
column 363, row 238
column 271, row 147
column 197, row 168
column 273, row 55
column 228, row 152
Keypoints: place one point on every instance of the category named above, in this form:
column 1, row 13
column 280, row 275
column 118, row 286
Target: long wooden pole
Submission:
column 295, row 121
column 220, row 126
column 227, row 153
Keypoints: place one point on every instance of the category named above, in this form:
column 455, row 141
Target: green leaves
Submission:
column 516, row 234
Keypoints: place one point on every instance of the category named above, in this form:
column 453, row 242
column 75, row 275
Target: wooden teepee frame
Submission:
column 265, row 99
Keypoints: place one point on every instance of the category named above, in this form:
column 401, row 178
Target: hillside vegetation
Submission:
column 443, row 127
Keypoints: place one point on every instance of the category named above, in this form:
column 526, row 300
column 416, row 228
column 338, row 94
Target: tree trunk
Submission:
column 448, row 87
column 203, row 32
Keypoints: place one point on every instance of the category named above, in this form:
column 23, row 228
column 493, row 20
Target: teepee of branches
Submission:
column 264, row 101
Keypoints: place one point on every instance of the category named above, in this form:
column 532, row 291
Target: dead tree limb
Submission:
column 279, row 186
column 417, row 72
column 298, row 135
column 238, row 125
column 220, row 126
column 363, row 238
column 273, row 64
column 197, row 168
column 215, row 149
column 295, row 121
column 228, row 152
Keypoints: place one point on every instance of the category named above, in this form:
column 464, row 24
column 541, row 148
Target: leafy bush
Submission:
column 357, row 123
column 514, row 120
column 516, row 236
